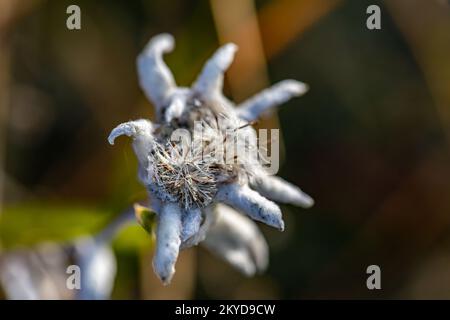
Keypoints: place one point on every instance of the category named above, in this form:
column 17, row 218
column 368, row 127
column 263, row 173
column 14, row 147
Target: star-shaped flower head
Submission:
column 194, row 188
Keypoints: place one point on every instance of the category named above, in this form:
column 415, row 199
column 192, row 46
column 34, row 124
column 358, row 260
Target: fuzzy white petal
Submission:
column 210, row 81
column 237, row 240
column 242, row 198
column 209, row 219
column 192, row 220
column 279, row 190
column 168, row 240
column 155, row 78
column 278, row 94
column 143, row 140
column 177, row 105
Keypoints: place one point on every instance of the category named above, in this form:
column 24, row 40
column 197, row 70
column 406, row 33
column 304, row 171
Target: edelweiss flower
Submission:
column 196, row 193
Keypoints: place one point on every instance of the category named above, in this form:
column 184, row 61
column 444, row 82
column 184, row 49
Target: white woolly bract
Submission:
column 278, row 94
column 238, row 241
column 168, row 240
column 250, row 202
column 277, row 189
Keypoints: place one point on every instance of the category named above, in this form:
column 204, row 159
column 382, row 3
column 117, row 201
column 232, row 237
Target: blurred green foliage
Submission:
column 31, row 223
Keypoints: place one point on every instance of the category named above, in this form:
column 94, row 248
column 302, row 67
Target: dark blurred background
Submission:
column 369, row 141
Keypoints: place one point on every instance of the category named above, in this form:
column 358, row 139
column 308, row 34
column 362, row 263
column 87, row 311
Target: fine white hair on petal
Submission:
column 279, row 93
column 210, row 216
column 210, row 81
column 177, row 105
column 143, row 140
column 155, row 78
column 279, row 190
column 250, row 202
column 155, row 203
column 237, row 240
column 192, row 220
column 168, row 240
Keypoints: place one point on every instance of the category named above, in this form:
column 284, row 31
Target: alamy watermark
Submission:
column 73, row 21
column 238, row 145
column 374, row 280
column 73, row 281
column 373, row 22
